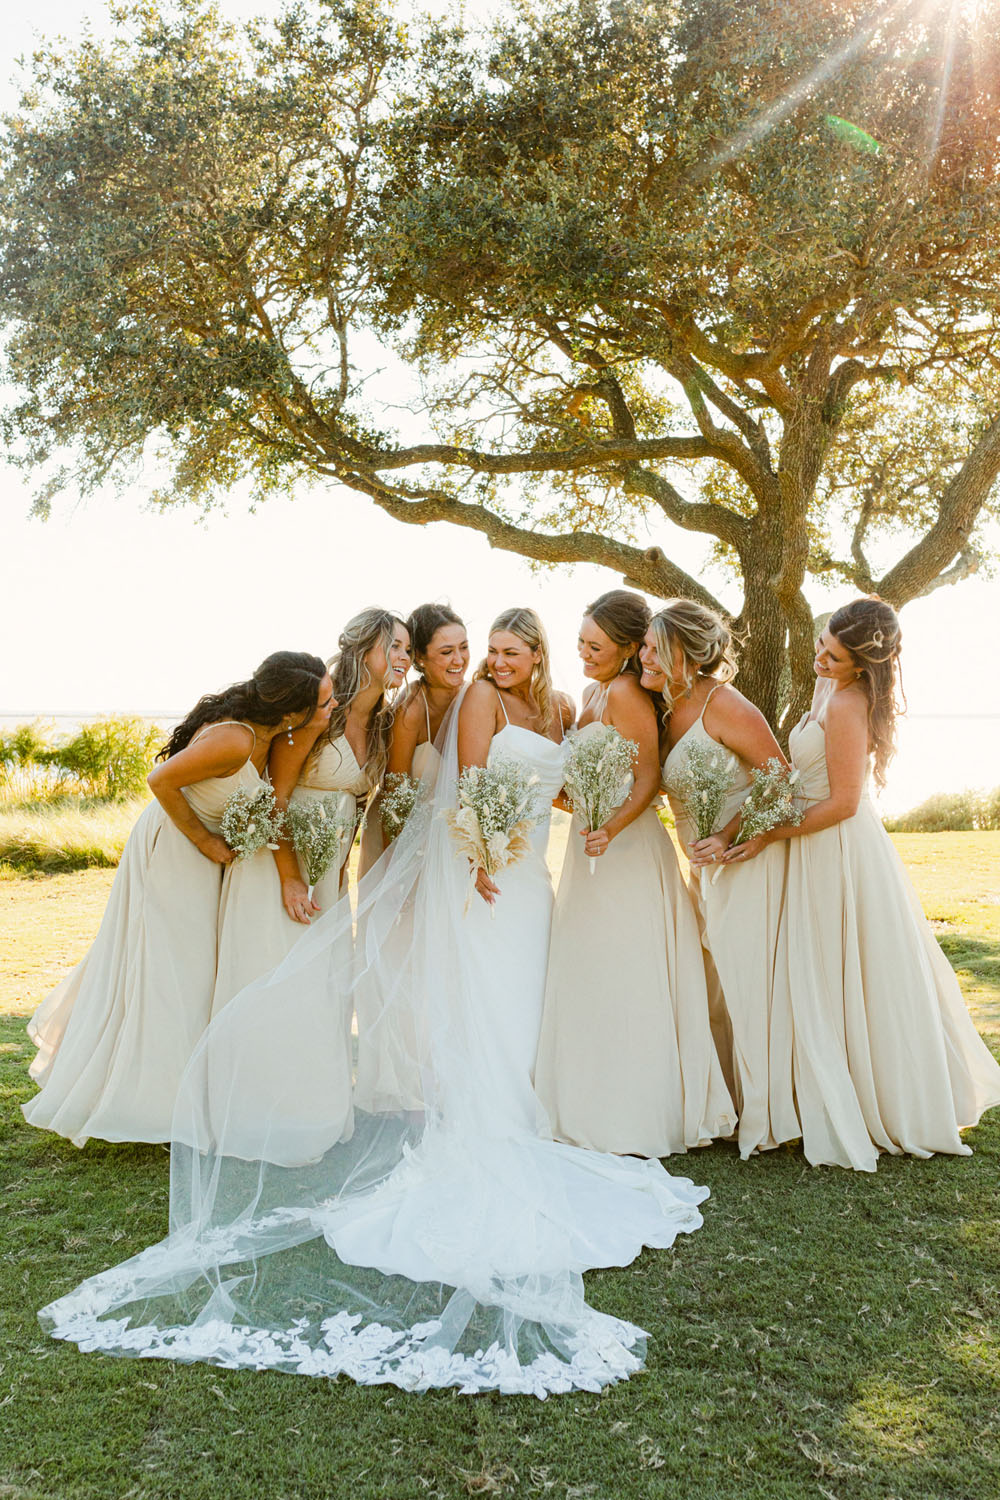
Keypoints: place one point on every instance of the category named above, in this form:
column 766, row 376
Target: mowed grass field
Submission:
column 826, row 1334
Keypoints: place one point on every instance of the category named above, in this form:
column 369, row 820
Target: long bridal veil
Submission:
column 383, row 1200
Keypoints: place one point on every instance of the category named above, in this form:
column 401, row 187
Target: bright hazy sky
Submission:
column 111, row 607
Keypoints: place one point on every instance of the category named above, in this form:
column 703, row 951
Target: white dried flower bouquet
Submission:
column 319, row 828
column 599, row 774
column 703, row 783
column 399, row 797
column 252, row 821
column 497, row 809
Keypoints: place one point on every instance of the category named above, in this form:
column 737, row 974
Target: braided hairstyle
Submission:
column 624, row 617
column 869, row 629
column 526, row 625
column 286, row 682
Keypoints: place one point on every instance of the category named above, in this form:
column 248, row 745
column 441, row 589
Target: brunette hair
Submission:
column 526, row 625
column 624, row 617
column 286, row 682
column 422, row 624
column 869, row 629
column 372, row 627
column 705, row 641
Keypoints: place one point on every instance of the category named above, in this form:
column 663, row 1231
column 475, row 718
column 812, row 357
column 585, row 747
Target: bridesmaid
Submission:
column 891, row 1008
column 689, row 662
column 439, row 648
column 116, row 1034
column 626, row 1061
column 265, row 901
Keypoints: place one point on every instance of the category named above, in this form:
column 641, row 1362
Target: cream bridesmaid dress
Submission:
column 740, row 914
column 626, row 1061
column 895, row 1027
column 255, row 931
column 115, row 1036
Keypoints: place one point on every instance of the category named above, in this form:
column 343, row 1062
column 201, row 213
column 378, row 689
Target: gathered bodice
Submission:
column 334, row 768
column 543, row 758
column 207, row 799
column 672, row 767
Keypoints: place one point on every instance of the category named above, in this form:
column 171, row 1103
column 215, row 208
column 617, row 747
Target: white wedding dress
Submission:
column 424, row 1251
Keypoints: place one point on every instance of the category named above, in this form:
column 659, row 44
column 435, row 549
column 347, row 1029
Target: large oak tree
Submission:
column 728, row 266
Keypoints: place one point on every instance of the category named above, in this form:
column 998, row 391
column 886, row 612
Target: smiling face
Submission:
column 390, row 666
column 446, row 660
column 510, row 660
column 602, row 659
column 833, row 660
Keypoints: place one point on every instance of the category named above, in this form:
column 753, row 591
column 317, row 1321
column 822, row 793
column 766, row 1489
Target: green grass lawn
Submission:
column 825, row 1334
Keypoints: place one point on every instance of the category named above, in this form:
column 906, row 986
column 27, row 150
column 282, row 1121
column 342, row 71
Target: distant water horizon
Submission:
column 935, row 754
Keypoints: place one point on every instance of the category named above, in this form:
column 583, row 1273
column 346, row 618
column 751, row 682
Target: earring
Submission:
column 289, row 731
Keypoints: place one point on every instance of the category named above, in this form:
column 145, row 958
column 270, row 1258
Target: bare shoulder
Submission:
column 731, row 707
column 481, row 701
column 412, row 712
column 627, row 692
column 847, row 708
column 232, row 739
column 566, row 709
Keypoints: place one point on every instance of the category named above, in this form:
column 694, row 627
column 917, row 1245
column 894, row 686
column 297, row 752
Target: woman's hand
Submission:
column 486, row 888
column 296, row 901
column 707, row 851
column 597, row 841
column 215, row 848
column 752, row 847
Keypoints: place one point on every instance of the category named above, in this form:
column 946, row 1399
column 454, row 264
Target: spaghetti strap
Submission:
column 427, row 714
column 218, row 725
column 708, row 700
column 500, row 696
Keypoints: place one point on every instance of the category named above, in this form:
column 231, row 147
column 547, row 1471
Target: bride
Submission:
column 424, row 1249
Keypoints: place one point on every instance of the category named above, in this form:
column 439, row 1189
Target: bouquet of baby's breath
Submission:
column 399, row 797
column 598, row 776
column 497, row 809
column 770, row 802
column 319, row 827
column 252, row 821
column 703, row 783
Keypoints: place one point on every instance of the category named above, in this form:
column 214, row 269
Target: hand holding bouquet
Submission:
column 495, row 815
column 252, row 821
column 598, row 776
column 319, row 828
column 770, row 803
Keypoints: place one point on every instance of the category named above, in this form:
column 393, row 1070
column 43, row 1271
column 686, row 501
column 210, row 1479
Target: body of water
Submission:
column 937, row 752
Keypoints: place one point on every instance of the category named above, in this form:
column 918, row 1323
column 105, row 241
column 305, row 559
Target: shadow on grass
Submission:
column 825, row 1334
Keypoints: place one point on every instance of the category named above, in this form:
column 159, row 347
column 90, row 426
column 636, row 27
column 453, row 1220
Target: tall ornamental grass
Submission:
column 73, row 834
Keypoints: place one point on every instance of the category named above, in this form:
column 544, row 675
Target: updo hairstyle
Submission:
column 705, row 641
column 624, row 617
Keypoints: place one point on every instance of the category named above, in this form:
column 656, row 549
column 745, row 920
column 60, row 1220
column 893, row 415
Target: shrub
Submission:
column 951, row 812
column 27, row 770
column 110, row 758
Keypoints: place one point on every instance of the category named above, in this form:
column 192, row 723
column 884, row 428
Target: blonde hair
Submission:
column 869, row 629
column 705, row 642
column 526, row 625
column 350, row 675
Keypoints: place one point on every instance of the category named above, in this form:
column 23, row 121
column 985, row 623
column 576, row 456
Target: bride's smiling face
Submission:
column 510, row 660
